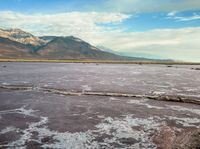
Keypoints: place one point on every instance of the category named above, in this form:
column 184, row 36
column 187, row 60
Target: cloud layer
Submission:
column 180, row 44
column 173, row 15
column 61, row 23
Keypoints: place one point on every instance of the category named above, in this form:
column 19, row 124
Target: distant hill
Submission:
column 13, row 49
column 21, row 36
column 47, row 38
column 106, row 49
column 15, row 43
column 74, row 48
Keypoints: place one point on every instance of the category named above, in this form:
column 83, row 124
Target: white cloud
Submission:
column 172, row 13
column 59, row 24
column 182, row 19
column 181, row 44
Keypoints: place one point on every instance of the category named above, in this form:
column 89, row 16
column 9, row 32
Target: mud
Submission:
column 78, row 106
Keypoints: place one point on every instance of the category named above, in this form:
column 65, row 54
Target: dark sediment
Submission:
column 172, row 98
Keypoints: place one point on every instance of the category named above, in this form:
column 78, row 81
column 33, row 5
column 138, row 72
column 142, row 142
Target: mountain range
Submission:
column 16, row 43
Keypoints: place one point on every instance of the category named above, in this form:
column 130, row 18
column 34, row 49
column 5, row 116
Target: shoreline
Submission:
column 64, row 92
column 98, row 61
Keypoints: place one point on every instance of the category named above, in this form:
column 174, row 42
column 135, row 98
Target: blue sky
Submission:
column 48, row 6
column 155, row 28
column 156, row 20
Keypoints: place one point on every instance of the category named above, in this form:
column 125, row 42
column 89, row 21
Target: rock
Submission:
column 169, row 66
column 48, row 139
column 128, row 141
column 195, row 68
column 33, row 145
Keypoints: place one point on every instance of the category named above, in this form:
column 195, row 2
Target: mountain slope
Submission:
column 47, row 38
column 12, row 49
column 15, row 43
column 73, row 48
column 21, row 36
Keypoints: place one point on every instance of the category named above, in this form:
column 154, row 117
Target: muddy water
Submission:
column 34, row 118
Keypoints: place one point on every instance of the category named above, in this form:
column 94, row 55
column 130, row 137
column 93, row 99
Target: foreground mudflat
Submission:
column 35, row 118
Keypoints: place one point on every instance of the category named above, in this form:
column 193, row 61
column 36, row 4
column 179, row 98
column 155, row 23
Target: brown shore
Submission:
column 98, row 61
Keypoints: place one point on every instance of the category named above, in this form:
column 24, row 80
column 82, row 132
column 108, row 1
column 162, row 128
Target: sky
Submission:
column 159, row 29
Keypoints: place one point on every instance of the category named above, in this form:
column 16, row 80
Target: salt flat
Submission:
column 34, row 118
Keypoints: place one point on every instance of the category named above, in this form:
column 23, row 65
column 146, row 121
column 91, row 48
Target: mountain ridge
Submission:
column 21, row 36
column 16, row 43
column 10, row 48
